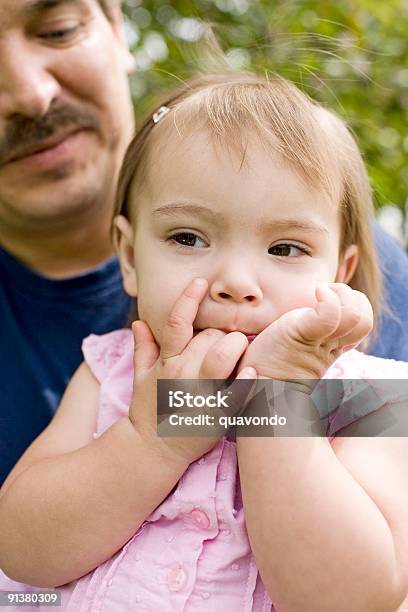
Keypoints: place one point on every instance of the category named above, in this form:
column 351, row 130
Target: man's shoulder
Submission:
column 391, row 340
column 393, row 258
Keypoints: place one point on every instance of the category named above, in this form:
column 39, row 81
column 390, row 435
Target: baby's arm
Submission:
column 326, row 523
column 72, row 501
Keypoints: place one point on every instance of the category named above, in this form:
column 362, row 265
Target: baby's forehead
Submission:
column 307, row 136
column 186, row 136
column 196, row 175
column 197, row 144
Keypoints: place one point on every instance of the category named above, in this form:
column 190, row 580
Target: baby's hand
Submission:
column 211, row 354
column 303, row 343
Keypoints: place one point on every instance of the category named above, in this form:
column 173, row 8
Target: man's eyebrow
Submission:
column 35, row 7
column 188, row 209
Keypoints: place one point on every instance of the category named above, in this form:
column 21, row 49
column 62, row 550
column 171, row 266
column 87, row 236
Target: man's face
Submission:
column 261, row 237
column 65, row 110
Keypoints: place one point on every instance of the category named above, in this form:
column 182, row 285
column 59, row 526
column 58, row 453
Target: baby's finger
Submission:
column 241, row 391
column 146, row 349
column 223, row 355
column 248, row 373
column 357, row 316
column 178, row 329
column 199, row 346
column 350, row 309
column 322, row 321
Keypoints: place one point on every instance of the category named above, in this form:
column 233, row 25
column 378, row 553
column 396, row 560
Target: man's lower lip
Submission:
column 51, row 157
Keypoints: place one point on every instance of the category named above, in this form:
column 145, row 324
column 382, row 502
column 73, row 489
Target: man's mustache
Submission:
column 23, row 133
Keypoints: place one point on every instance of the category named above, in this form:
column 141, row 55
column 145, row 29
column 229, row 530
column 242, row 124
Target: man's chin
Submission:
column 65, row 202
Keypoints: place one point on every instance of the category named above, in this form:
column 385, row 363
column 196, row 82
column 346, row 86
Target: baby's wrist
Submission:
column 283, row 408
column 294, row 375
column 148, row 438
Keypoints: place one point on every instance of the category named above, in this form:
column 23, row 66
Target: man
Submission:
column 65, row 120
column 392, row 339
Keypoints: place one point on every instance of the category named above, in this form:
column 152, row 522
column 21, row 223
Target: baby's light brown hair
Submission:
column 314, row 141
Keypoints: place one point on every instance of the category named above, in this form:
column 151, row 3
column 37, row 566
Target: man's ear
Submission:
column 347, row 264
column 123, row 237
column 119, row 31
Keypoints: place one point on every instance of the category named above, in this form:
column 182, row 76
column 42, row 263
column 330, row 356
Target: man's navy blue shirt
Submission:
column 43, row 323
column 392, row 341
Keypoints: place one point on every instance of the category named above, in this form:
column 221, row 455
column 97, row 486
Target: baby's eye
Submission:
column 286, row 250
column 189, row 239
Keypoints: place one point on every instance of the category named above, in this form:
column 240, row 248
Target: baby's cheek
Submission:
column 147, row 311
column 156, row 314
column 299, row 297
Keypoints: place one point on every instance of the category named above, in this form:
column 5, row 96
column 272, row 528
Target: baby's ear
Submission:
column 347, row 264
column 123, row 237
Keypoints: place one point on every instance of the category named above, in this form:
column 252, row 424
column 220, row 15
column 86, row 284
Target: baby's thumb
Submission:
column 320, row 322
column 146, row 349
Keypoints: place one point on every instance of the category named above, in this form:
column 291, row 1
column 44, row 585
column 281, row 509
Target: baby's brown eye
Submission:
column 188, row 239
column 285, row 250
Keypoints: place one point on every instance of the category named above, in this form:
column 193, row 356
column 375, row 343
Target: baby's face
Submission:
column 260, row 236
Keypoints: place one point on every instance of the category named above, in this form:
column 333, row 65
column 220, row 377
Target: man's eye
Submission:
column 188, row 239
column 286, row 250
column 59, row 35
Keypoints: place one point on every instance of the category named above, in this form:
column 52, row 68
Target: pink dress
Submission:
column 192, row 553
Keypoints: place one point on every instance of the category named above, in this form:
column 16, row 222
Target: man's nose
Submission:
column 236, row 283
column 27, row 86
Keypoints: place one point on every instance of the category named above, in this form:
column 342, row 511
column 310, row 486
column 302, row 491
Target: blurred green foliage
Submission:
column 350, row 55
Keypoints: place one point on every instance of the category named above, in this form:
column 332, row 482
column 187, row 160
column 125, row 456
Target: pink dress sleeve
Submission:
column 369, row 383
column 110, row 358
column 101, row 353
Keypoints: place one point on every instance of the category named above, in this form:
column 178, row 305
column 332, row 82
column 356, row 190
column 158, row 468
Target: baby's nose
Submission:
column 237, row 290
